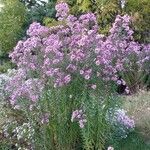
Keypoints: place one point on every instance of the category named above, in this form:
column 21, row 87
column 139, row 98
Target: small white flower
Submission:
column 110, row 148
column 70, row 96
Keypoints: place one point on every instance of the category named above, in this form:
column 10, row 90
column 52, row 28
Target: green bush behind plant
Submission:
column 15, row 18
column 140, row 12
column 37, row 10
column 12, row 18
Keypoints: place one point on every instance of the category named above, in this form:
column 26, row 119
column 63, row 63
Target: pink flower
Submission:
column 82, row 123
column 45, row 118
column 62, row 10
column 34, row 98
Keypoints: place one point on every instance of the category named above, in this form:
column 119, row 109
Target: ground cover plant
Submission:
column 64, row 88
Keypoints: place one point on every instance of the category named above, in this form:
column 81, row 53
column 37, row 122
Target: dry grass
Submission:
column 138, row 106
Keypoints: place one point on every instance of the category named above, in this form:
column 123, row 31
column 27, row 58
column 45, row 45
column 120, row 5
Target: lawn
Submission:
column 134, row 141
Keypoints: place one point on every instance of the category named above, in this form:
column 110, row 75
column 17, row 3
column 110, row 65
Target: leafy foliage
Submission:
column 5, row 65
column 15, row 19
column 12, row 18
column 140, row 12
column 37, row 11
column 32, row 3
column 84, row 5
column 106, row 11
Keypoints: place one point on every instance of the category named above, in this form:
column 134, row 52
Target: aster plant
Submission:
column 65, row 77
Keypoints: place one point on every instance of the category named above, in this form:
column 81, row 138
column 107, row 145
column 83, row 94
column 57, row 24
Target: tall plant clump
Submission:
column 63, row 84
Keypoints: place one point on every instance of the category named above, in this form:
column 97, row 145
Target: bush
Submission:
column 37, row 10
column 5, row 65
column 140, row 11
column 12, row 18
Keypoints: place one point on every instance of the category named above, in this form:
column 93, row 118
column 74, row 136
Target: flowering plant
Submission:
column 121, row 123
column 71, row 67
column 19, row 136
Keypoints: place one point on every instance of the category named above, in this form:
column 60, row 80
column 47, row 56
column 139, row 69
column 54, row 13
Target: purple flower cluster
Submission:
column 60, row 52
column 121, row 29
column 124, row 120
column 62, row 10
column 118, row 52
column 18, row 87
column 86, row 73
column 80, row 117
column 120, row 122
column 37, row 30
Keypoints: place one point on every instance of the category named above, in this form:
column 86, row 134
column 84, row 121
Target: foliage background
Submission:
column 106, row 11
column 12, row 18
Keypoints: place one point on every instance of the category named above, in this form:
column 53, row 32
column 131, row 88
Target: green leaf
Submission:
column 84, row 5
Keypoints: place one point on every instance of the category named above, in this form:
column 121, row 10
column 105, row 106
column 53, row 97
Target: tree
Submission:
column 38, row 9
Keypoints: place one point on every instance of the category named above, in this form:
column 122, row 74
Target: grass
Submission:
column 134, row 141
column 137, row 106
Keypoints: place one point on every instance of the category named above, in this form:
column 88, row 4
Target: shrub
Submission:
column 12, row 18
column 37, row 10
column 6, row 64
column 140, row 11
